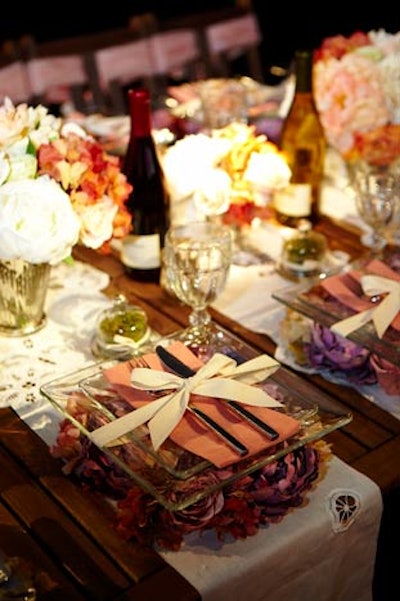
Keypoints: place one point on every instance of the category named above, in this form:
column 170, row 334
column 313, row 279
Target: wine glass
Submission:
column 197, row 258
column 377, row 197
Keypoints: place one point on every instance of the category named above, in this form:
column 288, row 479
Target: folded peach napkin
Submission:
column 189, row 432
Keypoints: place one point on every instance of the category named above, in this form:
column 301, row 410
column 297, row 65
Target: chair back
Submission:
column 229, row 39
column 121, row 65
column 57, row 74
column 176, row 50
column 51, row 77
column 14, row 81
column 177, row 58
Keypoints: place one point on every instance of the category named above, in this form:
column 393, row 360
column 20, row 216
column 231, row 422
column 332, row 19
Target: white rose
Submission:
column 268, row 171
column 214, row 197
column 22, row 123
column 186, row 161
column 22, row 167
column 96, row 222
column 37, row 221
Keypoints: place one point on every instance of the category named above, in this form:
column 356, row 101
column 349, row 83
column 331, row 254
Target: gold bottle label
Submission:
column 294, row 200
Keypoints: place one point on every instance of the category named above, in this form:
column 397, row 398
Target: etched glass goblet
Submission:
column 197, row 259
column 377, row 197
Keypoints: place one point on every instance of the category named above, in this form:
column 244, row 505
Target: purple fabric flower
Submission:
column 200, row 513
column 279, row 485
column 327, row 350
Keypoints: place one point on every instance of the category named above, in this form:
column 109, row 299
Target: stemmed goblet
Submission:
column 377, row 197
column 197, row 259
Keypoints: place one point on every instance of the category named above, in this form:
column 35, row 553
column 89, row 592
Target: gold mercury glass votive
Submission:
column 23, row 289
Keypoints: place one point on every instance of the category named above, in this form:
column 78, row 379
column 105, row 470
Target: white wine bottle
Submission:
column 303, row 142
column 148, row 202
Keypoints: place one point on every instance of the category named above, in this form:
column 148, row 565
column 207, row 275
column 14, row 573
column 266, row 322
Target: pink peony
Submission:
column 357, row 92
column 349, row 96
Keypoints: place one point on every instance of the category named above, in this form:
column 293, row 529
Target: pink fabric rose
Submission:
column 388, row 375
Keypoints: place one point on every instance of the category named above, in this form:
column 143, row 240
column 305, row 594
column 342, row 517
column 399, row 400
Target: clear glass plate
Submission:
column 307, row 300
column 171, row 474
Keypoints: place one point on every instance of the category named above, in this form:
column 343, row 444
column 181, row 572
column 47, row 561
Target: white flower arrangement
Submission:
column 37, row 221
column 58, row 187
column 229, row 167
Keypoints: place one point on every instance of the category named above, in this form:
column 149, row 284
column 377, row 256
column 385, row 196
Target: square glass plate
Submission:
column 307, row 300
column 172, row 474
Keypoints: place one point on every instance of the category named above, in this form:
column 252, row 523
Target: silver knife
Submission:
column 167, row 358
column 183, row 370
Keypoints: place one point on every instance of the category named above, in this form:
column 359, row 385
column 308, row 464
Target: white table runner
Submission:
column 314, row 554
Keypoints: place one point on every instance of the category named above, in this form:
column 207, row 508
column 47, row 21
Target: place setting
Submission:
column 197, row 405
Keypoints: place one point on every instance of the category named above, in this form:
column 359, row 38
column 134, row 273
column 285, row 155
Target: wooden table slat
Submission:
column 29, row 560
column 74, row 526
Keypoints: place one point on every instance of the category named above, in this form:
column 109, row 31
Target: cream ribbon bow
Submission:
column 164, row 413
column 381, row 315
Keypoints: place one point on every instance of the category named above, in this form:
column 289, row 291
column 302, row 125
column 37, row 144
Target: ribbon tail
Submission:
column 386, row 312
column 252, row 371
column 350, row 324
column 111, row 431
column 146, row 378
column 236, row 391
column 218, row 364
column 255, row 370
column 163, row 422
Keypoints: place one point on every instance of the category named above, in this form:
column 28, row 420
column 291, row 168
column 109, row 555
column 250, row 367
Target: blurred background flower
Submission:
column 357, row 91
column 231, row 172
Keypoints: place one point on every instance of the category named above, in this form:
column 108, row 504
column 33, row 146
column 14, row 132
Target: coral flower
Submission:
column 56, row 179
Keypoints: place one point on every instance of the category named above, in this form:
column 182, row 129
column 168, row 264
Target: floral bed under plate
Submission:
column 161, row 496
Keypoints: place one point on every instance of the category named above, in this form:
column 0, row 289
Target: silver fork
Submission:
column 223, row 434
column 138, row 362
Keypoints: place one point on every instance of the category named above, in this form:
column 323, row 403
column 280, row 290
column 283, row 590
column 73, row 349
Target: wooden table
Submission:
column 61, row 536
column 64, row 534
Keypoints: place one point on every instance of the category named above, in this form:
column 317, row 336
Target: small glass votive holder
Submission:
column 303, row 253
column 121, row 331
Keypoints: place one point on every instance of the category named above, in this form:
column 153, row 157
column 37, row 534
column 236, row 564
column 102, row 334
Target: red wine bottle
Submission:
column 148, row 202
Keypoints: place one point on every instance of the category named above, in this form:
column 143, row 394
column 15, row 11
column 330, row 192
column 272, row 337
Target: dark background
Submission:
column 285, row 27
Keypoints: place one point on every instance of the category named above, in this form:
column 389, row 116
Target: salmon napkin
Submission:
column 189, row 433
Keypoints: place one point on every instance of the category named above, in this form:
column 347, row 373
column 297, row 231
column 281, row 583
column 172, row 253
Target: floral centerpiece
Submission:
column 357, row 92
column 230, row 172
column 57, row 188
